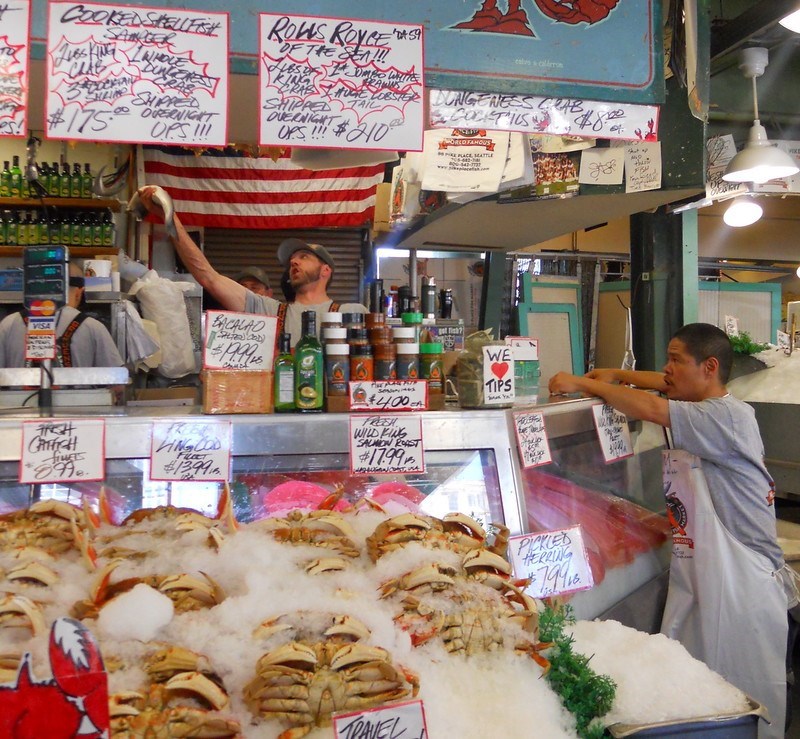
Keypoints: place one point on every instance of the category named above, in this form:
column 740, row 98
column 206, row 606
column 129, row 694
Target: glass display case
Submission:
column 472, row 466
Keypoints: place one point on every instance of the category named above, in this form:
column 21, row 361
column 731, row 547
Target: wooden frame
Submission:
column 551, row 335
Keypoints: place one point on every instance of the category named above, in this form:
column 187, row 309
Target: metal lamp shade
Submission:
column 759, row 161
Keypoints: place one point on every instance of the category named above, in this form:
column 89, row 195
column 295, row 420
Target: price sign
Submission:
column 397, row 720
column 386, row 444
column 498, row 375
column 191, row 450
column 389, row 395
column 612, row 430
column 239, row 341
column 40, row 338
column 731, row 325
column 63, row 450
column 555, row 562
column 14, row 46
column 532, row 439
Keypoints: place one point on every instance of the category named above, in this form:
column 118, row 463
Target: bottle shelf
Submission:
column 82, row 252
column 89, row 203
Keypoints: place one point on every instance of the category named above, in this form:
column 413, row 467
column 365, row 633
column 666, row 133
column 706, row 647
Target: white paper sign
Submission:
column 613, row 432
column 190, row 450
column 643, row 166
column 731, row 325
column 784, row 341
column 68, row 450
column 532, row 114
column 389, row 395
column 498, row 375
column 394, row 721
column 532, row 441
column 138, row 74
column 721, row 149
column 239, row 341
column 386, row 444
column 555, row 562
column 524, row 348
column 340, row 83
column 40, row 338
column 14, row 48
column 458, row 160
column 602, row 166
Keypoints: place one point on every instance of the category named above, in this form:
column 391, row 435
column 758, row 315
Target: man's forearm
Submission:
column 632, row 402
column 642, row 379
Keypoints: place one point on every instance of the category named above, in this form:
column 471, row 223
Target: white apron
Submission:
column 725, row 603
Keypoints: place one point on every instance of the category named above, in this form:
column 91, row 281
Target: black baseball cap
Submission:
column 290, row 246
column 256, row 273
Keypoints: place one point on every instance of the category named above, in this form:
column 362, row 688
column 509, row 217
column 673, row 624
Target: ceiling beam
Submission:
column 757, row 19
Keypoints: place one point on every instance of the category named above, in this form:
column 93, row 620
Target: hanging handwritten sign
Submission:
column 784, row 341
column 138, row 74
column 731, row 325
column 396, row 720
column 643, row 166
column 14, row 47
column 554, row 562
column 334, row 82
column 498, row 375
column 386, row 444
column 63, row 450
column 190, row 450
column 532, row 439
column 40, row 338
column 613, row 433
column 533, row 114
column 389, row 395
column 239, row 341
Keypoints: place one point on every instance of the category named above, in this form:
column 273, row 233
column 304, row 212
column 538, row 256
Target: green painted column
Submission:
column 690, row 266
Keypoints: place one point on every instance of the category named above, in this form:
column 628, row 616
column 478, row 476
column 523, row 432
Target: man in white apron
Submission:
column 727, row 600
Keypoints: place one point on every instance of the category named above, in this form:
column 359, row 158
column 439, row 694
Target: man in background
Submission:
column 255, row 280
column 81, row 341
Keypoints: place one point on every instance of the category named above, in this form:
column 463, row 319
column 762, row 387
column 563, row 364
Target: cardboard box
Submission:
column 237, row 391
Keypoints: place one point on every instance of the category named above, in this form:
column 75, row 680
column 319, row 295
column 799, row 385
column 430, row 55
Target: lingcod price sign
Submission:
column 239, row 341
column 14, row 45
column 138, row 74
column 334, row 82
column 62, row 450
column 386, row 444
column 191, row 450
column 612, row 430
column 406, row 720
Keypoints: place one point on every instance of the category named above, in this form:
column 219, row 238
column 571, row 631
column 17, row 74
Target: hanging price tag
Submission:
column 386, row 444
column 397, row 720
column 555, row 562
column 191, row 450
column 63, row 450
column 532, row 439
column 613, row 433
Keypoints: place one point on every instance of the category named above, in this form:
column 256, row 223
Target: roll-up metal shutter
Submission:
column 231, row 250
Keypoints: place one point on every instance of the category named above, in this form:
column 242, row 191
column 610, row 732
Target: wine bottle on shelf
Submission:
column 5, row 180
column 65, row 228
column 22, row 228
column 308, row 373
column 54, row 180
column 65, row 182
column 108, row 228
column 76, row 181
column 283, row 379
column 87, row 181
column 15, row 184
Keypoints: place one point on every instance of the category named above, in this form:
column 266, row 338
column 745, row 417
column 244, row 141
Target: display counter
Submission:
column 472, row 465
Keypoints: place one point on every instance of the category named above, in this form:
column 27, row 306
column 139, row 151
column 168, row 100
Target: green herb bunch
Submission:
column 585, row 694
column 743, row 344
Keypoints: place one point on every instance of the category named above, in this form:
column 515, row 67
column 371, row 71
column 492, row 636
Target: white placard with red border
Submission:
column 498, row 375
column 15, row 23
column 136, row 73
column 40, row 338
column 554, row 562
column 340, row 82
column 525, row 348
column 613, row 432
column 239, row 341
column 191, row 450
column 389, row 395
column 394, row 721
column 63, row 450
column 386, row 444
column 532, row 443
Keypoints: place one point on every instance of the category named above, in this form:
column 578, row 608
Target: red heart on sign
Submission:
column 499, row 369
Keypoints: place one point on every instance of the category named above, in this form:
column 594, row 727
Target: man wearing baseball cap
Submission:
column 255, row 279
column 310, row 268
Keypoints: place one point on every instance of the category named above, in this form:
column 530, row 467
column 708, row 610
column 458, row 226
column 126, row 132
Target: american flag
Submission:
column 222, row 189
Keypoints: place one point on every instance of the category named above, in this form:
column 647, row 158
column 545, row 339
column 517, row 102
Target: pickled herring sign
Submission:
column 339, row 83
column 136, row 74
column 14, row 45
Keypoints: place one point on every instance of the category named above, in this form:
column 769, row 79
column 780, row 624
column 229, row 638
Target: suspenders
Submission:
column 283, row 307
column 64, row 342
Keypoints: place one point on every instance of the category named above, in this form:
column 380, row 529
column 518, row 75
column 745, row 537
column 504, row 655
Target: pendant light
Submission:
column 759, row 161
column 791, row 21
column 743, row 211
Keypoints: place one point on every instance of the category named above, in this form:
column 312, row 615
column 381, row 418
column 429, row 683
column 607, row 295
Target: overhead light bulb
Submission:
column 798, row 272
column 759, row 161
column 743, row 211
column 791, row 21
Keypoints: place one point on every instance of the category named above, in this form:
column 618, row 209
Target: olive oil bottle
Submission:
column 308, row 372
column 283, row 388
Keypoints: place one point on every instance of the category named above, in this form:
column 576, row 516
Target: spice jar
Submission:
column 431, row 366
column 413, row 320
column 361, row 363
column 469, row 372
column 380, row 335
column 407, row 365
column 357, row 336
column 353, row 320
column 334, row 335
column 375, row 319
column 385, row 361
column 404, row 335
column 337, row 369
column 331, row 320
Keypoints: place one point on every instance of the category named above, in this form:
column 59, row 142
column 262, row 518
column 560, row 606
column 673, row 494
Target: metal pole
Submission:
column 412, row 272
column 46, row 388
